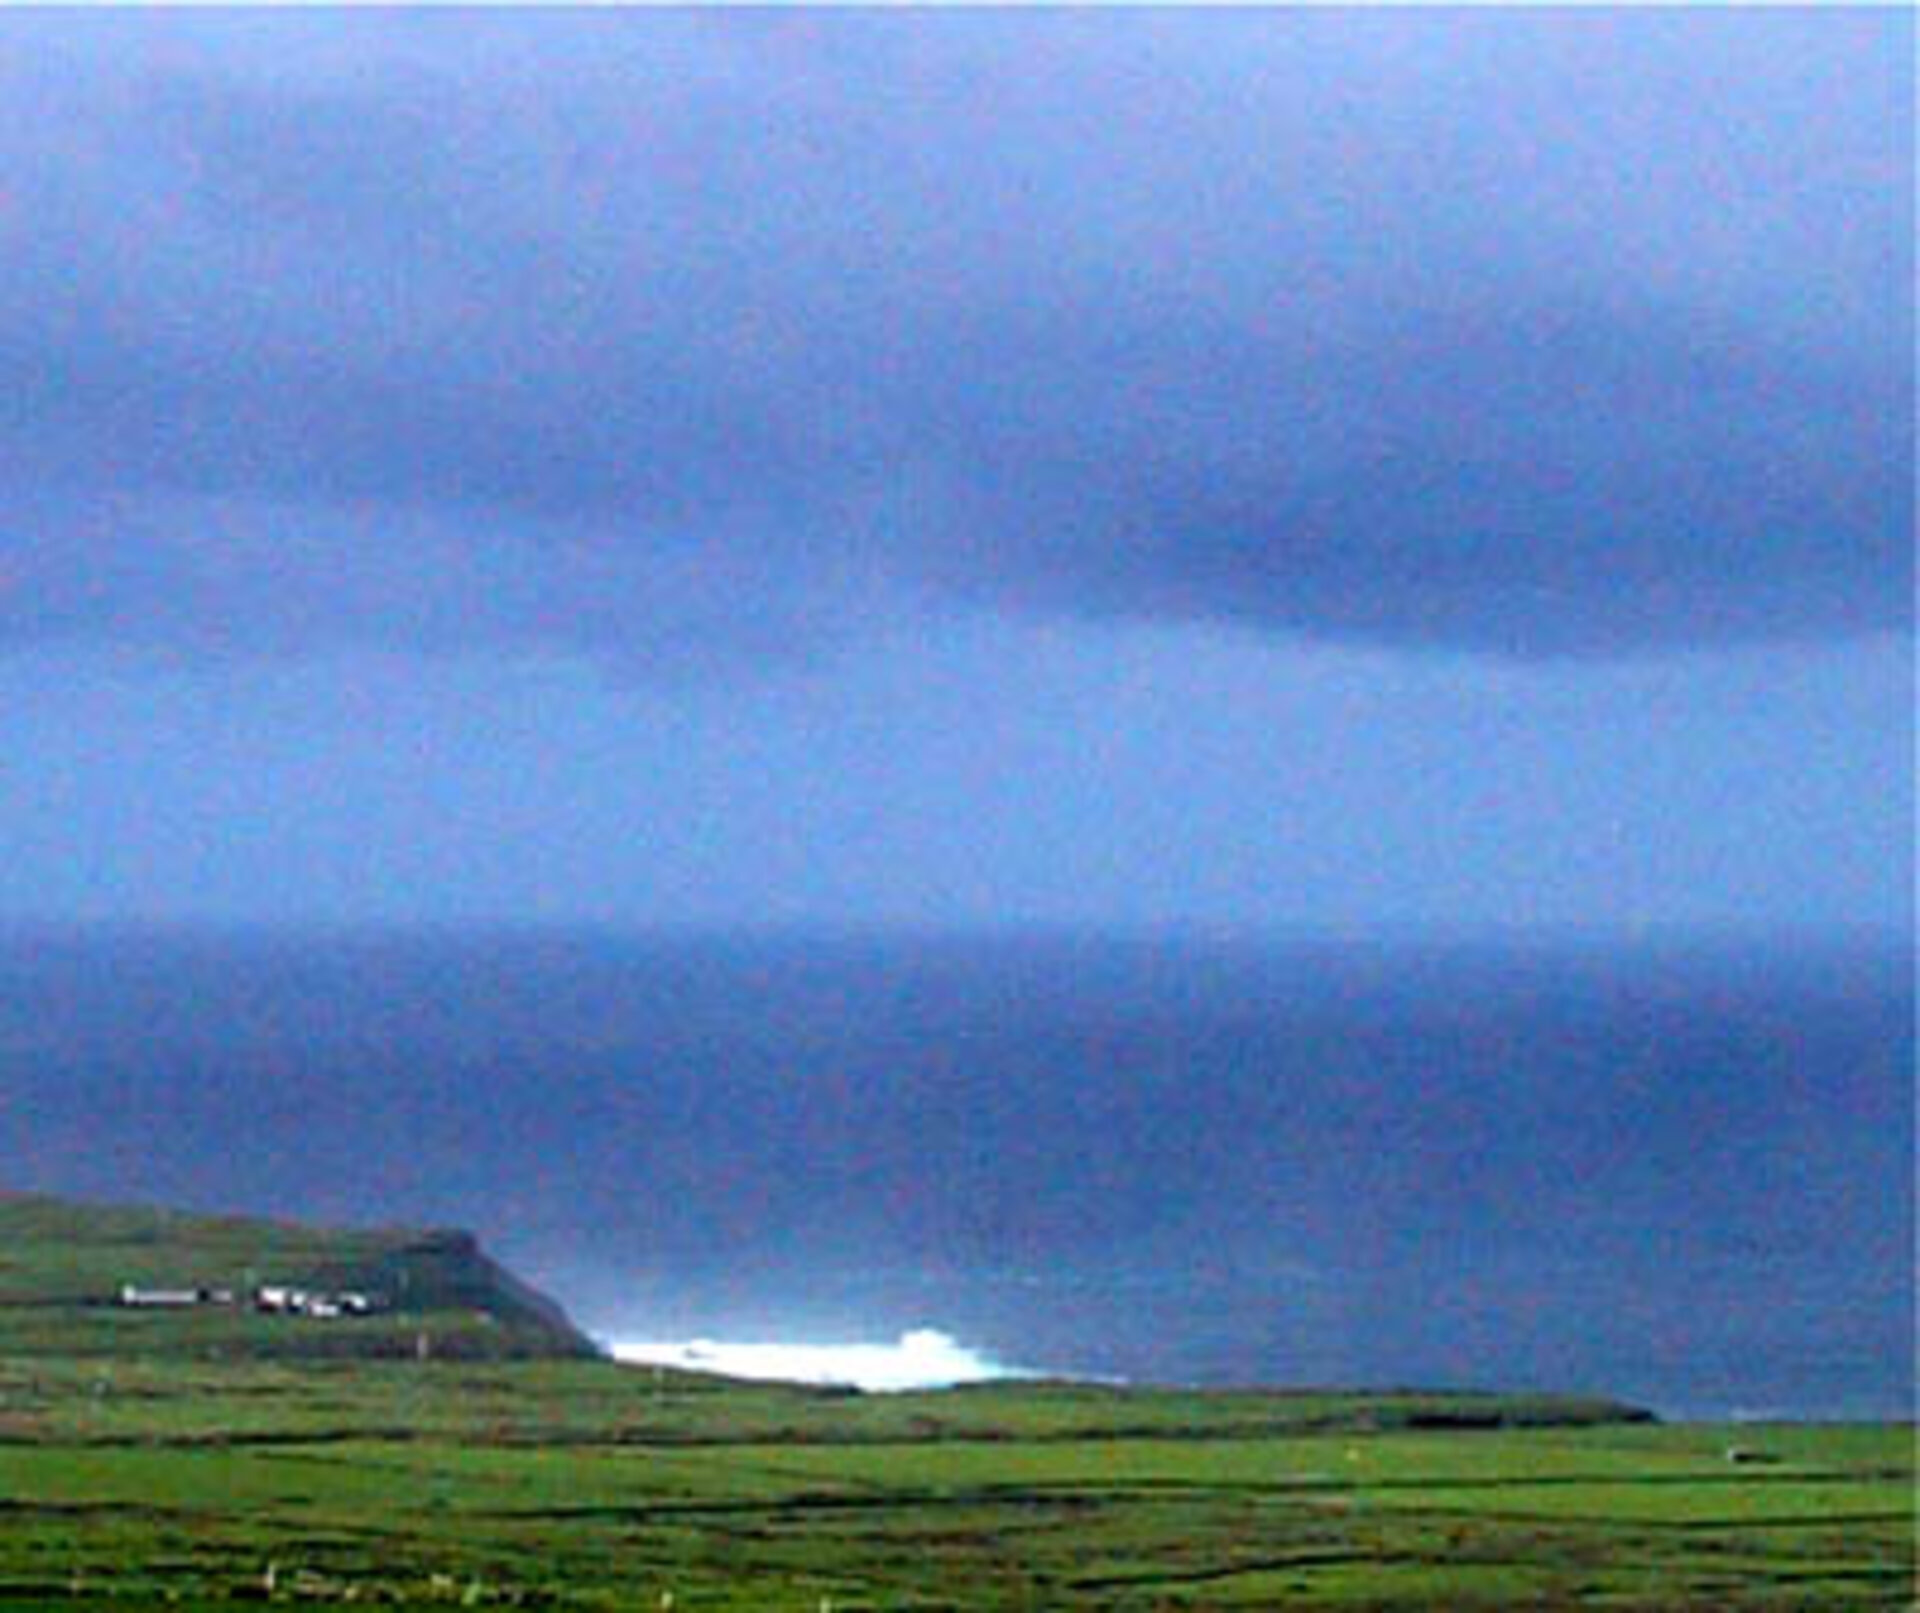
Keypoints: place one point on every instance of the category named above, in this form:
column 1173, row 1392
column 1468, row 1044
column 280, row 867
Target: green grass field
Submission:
column 141, row 1471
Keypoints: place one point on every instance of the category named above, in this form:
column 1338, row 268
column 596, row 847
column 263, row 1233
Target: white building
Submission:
column 159, row 1298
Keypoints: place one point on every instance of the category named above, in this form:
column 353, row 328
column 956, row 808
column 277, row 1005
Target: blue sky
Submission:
column 1237, row 469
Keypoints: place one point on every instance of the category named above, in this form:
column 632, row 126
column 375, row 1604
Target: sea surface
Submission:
column 1679, row 1172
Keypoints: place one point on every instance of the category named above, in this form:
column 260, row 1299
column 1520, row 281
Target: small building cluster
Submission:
column 273, row 1298
column 172, row 1298
column 303, row 1302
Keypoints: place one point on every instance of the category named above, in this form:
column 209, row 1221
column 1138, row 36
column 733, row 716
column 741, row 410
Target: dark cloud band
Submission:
column 616, row 335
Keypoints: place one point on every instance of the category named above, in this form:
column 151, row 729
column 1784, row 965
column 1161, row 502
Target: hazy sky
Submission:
column 1228, row 468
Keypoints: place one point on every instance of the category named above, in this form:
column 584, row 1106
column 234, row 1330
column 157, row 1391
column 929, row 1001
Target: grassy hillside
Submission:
column 205, row 1460
column 62, row 1268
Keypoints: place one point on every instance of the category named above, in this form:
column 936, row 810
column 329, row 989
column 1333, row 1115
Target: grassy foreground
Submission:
column 145, row 1471
column 586, row 1484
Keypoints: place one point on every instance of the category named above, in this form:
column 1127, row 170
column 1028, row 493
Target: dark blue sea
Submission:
column 1679, row 1172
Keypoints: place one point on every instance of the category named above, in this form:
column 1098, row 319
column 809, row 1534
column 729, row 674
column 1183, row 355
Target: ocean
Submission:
column 1680, row 1172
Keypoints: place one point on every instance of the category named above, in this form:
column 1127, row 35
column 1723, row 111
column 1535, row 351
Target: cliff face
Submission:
column 447, row 1271
column 91, row 1279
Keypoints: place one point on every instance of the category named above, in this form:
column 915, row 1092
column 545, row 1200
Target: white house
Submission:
column 159, row 1298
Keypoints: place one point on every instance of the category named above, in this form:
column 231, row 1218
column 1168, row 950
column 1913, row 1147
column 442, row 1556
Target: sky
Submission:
column 1233, row 470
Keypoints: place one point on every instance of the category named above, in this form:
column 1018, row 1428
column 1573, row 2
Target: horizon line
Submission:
column 1176, row 932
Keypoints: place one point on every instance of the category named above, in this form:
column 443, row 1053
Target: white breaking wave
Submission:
column 921, row 1359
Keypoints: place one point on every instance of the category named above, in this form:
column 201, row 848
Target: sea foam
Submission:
column 923, row 1358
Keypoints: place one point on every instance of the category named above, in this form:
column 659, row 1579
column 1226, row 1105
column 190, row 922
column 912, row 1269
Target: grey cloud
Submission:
column 1563, row 485
column 621, row 334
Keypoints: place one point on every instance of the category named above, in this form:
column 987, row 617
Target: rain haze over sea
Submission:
column 1680, row 1173
column 1212, row 693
